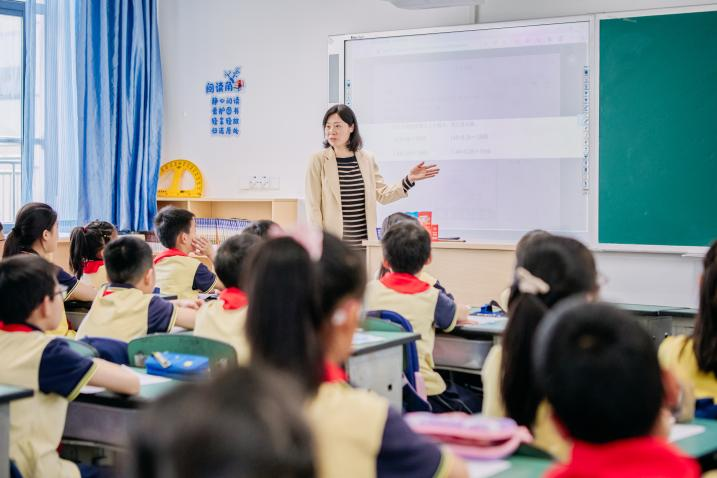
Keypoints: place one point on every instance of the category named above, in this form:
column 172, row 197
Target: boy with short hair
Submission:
column 406, row 250
column 125, row 308
column 177, row 273
column 224, row 319
column 31, row 301
column 600, row 373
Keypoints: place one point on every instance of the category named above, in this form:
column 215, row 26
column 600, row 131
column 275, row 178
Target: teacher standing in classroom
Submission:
column 343, row 182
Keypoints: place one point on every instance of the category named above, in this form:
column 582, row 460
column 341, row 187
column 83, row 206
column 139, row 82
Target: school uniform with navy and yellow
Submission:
column 124, row 312
column 359, row 435
column 225, row 320
column 178, row 273
column 94, row 273
column 426, row 307
column 32, row 359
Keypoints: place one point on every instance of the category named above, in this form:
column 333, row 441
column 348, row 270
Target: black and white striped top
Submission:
column 353, row 200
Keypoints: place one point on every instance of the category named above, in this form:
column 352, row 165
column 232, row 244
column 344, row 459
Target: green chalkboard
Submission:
column 658, row 130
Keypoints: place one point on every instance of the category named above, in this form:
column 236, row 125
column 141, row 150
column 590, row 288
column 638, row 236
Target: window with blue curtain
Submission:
column 11, row 78
column 81, row 102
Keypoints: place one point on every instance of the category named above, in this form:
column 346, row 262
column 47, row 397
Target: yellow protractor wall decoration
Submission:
column 177, row 174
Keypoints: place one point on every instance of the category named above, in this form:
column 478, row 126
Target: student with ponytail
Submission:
column 549, row 270
column 301, row 319
column 694, row 358
column 36, row 232
column 86, row 246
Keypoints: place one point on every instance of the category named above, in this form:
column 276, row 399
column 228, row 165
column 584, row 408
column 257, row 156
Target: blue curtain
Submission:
column 119, row 80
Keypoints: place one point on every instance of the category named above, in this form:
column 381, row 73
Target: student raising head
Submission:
column 125, row 308
column 601, row 375
column 550, row 269
column 86, row 246
column 301, row 319
column 36, row 232
column 257, row 433
column 177, row 273
column 224, row 319
column 694, row 358
column 31, row 304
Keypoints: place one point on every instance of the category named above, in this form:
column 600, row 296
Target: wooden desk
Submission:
column 8, row 394
column 106, row 418
column 473, row 273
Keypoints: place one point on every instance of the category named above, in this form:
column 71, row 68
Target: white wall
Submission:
column 660, row 279
column 281, row 46
column 507, row 10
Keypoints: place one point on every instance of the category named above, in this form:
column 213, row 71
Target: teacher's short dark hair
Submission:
column 346, row 114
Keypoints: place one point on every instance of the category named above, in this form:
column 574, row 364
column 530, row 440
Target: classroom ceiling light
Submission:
column 420, row 4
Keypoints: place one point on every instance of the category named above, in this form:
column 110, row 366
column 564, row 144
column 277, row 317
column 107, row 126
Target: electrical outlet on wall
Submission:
column 258, row 181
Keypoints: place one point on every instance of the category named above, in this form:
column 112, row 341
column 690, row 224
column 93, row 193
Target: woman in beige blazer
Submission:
column 342, row 156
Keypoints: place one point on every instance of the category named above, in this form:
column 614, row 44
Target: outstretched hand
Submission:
column 423, row 171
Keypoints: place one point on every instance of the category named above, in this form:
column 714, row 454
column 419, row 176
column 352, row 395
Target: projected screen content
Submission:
column 503, row 112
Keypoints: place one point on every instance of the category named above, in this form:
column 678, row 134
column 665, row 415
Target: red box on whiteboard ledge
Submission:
column 434, row 232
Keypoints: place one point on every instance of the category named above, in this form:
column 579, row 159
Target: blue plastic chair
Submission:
column 412, row 401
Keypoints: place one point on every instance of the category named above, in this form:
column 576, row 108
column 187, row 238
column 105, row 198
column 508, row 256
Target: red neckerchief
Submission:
column 110, row 288
column 92, row 267
column 233, row 298
column 169, row 253
column 641, row 456
column 15, row 327
column 333, row 373
column 404, row 283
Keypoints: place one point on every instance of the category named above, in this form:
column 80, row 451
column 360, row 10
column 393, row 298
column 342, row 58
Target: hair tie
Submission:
column 527, row 283
column 310, row 238
column 84, row 229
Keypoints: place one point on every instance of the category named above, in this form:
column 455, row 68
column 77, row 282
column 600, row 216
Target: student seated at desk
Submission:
column 308, row 333
column 177, row 273
column 125, row 308
column 36, row 232
column 395, row 218
column 601, row 375
column 694, row 358
column 86, row 246
column 211, row 431
column 224, row 319
column 527, row 238
column 262, row 228
column 406, row 249
column 31, row 304
column 551, row 269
